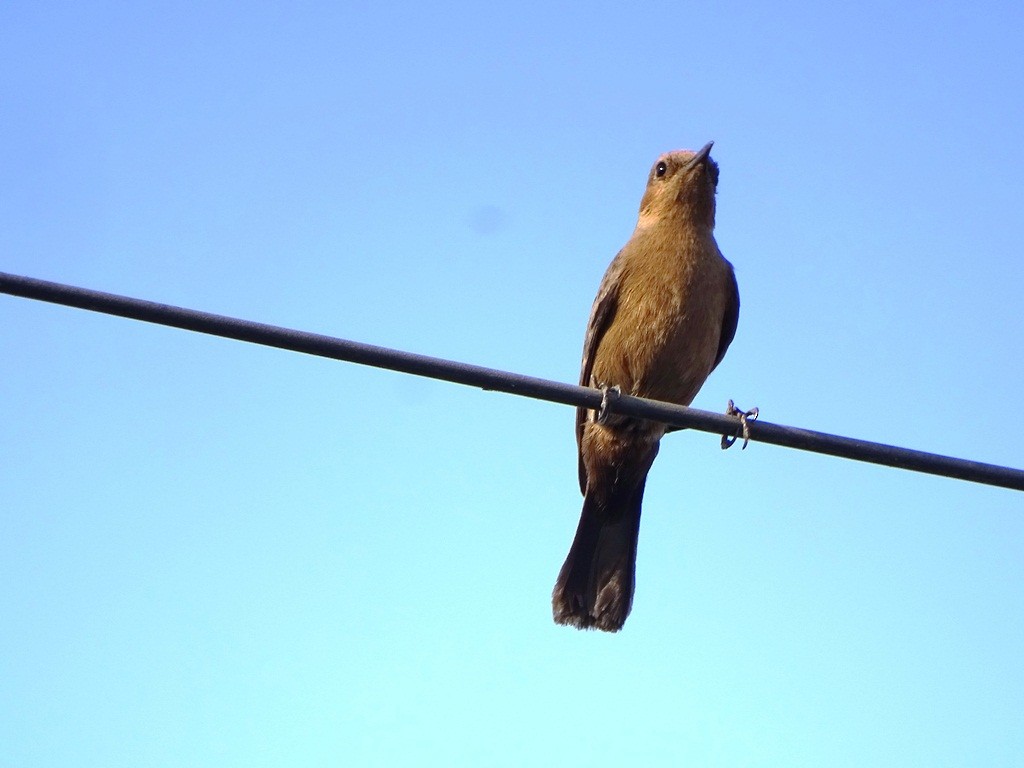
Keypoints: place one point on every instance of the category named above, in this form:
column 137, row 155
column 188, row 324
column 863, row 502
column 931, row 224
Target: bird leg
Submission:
column 744, row 427
column 607, row 395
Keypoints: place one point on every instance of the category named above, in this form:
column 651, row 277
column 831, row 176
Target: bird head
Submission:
column 682, row 184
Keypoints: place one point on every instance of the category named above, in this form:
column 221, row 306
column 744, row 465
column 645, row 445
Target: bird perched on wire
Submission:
column 665, row 313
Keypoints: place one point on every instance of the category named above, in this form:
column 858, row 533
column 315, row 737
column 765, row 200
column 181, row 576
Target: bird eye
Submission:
column 660, row 168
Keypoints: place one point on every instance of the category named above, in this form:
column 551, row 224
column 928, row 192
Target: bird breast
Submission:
column 664, row 337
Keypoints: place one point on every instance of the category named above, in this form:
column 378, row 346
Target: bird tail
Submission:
column 595, row 586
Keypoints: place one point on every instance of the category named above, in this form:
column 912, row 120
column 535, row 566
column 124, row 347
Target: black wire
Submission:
column 503, row 381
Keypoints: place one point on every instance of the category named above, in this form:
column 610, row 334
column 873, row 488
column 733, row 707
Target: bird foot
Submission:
column 744, row 428
column 607, row 395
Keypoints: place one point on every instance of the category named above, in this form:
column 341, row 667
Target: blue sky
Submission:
column 214, row 554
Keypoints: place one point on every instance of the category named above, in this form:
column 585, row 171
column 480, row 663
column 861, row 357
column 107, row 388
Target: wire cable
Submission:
column 512, row 383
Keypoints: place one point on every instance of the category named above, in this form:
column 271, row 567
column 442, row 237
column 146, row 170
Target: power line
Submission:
column 503, row 381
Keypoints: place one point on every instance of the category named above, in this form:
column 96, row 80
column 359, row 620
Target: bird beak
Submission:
column 700, row 157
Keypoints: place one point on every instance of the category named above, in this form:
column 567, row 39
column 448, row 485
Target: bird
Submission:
column 665, row 313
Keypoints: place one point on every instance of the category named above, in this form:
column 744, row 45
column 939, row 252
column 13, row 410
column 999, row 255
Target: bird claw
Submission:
column 607, row 395
column 744, row 428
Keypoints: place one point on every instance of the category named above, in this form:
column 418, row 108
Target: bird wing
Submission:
column 601, row 316
column 729, row 319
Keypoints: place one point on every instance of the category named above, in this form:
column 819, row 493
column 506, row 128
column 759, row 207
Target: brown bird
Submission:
column 664, row 315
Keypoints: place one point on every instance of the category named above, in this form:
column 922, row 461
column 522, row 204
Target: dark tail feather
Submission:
column 595, row 586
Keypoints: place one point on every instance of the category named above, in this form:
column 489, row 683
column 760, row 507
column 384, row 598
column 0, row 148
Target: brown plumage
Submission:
column 663, row 318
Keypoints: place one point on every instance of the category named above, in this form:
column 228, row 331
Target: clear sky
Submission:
column 216, row 554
